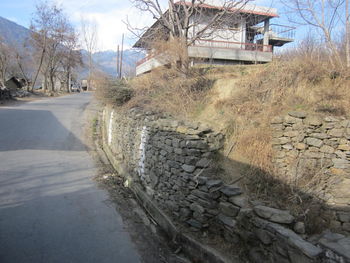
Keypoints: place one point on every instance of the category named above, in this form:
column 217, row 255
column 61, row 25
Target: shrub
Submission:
column 114, row 92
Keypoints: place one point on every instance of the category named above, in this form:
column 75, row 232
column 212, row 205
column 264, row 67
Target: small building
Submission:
column 14, row 84
column 246, row 37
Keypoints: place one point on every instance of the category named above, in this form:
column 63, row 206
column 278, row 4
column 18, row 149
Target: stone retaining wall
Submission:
column 307, row 146
column 174, row 162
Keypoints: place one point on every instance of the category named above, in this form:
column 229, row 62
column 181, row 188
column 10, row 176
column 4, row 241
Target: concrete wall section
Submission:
column 229, row 54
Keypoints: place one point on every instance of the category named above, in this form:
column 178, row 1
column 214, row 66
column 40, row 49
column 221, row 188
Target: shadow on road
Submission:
column 35, row 130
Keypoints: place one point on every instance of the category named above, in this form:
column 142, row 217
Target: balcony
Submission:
column 213, row 50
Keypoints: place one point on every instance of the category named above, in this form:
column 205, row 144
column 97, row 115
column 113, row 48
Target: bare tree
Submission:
column 71, row 57
column 5, row 60
column 183, row 21
column 23, row 63
column 89, row 35
column 53, row 37
column 324, row 16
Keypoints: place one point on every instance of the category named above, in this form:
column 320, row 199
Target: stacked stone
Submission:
column 309, row 144
column 267, row 232
column 174, row 165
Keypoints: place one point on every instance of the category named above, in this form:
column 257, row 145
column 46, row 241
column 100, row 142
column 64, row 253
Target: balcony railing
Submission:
column 282, row 31
column 232, row 45
column 146, row 58
column 220, row 44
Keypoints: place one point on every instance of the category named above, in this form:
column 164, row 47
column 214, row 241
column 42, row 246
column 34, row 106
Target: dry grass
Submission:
column 166, row 90
column 240, row 101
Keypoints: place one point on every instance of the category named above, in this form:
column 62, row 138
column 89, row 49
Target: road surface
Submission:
column 50, row 208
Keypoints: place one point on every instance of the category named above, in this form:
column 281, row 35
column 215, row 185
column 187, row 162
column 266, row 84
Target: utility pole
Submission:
column 118, row 62
column 121, row 58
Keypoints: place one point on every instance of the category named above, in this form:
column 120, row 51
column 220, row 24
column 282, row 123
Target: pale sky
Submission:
column 108, row 14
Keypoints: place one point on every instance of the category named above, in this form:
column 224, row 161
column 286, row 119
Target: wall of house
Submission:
column 228, row 33
column 319, row 149
column 174, row 163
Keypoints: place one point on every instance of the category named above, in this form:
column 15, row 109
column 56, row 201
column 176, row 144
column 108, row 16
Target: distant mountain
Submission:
column 17, row 35
column 13, row 33
column 108, row 61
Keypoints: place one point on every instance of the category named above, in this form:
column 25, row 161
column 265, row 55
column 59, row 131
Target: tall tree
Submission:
column 50, row 30
column 71, row 57
column 89, row 35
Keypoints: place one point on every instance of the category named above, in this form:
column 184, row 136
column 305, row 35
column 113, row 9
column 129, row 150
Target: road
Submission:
column 50, row 208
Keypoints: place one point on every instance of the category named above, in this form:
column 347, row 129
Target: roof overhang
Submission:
column 254, row 10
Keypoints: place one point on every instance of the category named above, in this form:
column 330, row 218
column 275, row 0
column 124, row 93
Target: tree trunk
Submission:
column 52, row 82
column 347, row 34
column 68, row 81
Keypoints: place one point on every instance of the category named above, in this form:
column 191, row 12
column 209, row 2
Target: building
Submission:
column 246, row 37
column 14, row 84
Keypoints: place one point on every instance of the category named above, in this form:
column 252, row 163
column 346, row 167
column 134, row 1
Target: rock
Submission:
column 330, row 119
column 231, row 190
column 191, row 160
column 291, row 133
column 341, row 163
column 314, row 142
column 226, row 220
column 202, row 180
column 287, row 147
column 203, row 163
column 264, row 236
column 201, row 194
column 240, row 201
column 197, row 208
column 291, row 120
column 196, row 144
column 346, row 227
column 336, row 132
column 182, row 129
column 297, row 114
column 274, row 215
column 188, row 168
column 344, row 217
column 228, row 209
column 184, row 213
column 319, row 135
column 300, row 146
column 344, row 147
column 337, row 243
column 313, row 121
column 327, row 149
column 295, row 240
column 299, row 228
column 214, row 183
column 194, row 223
column 284, row 140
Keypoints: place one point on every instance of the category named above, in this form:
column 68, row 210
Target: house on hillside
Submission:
column 247, row 37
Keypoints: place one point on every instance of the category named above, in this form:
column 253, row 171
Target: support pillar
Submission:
column 266, row 34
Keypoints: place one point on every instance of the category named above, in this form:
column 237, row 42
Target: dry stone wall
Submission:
column 175, row 163
column 311, row 146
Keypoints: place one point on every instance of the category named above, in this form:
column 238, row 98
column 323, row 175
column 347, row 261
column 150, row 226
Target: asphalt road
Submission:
column 50, row 208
